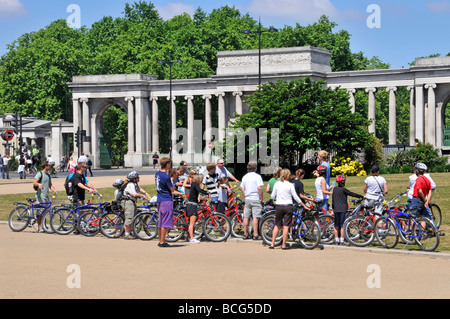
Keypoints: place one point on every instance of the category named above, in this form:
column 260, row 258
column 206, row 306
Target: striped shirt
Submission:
column 211, row 182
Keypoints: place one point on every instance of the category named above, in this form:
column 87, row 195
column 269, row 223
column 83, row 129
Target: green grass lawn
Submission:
column 397, row 183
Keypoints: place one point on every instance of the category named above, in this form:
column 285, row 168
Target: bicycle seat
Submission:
column 31, row 200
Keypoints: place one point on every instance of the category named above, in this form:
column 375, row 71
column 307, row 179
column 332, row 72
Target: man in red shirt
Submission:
column 422, row 191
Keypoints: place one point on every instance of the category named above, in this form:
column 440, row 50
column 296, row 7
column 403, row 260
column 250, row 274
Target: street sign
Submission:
column 210, row 145
column 8, row 135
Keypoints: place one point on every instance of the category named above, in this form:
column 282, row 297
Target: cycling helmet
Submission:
column 133, row 175
column 421, row 166
column 341, row 179
column 118, row 183
column 322, row 169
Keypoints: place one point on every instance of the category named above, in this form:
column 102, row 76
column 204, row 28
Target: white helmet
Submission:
column 133, row 175
column 421, row 166
column 118, row 183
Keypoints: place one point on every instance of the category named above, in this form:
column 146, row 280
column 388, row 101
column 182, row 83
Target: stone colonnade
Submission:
column 426, row 116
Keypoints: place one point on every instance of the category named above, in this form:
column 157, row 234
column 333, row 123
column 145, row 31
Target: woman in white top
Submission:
column 375, row 189
column 322, row 189
column 283, row 192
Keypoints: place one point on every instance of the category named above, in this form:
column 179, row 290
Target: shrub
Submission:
column 347, row 166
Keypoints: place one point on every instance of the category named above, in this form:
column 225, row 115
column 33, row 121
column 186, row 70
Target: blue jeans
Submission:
column 322, row 204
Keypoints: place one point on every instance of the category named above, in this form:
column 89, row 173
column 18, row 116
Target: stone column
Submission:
column 95, row 154
column 222, row 116
column 140, row 128
column 190, row 124
column 412, row 117
column 208, row 120
column 420, row 114
column 155, row 125
column 76, row 122
column 431, row 127
column 392, row 115
column 131, row 132
column 371, row 91
column 351, row 100
column 439, row 126
column 238, row 96
column 173, row 122
column 86, row 124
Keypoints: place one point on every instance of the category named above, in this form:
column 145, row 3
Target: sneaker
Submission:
column 163, row 245
column 194, row 241
column 129, row 237
column 40, row 231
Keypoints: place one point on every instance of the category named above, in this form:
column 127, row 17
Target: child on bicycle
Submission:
column 340, row 207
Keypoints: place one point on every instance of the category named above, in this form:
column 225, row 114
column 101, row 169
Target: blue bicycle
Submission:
column 420, row 230
column 305, row 230
column 28, row 214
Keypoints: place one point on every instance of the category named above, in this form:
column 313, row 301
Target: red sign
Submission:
column 210, row 145
column 9, row 135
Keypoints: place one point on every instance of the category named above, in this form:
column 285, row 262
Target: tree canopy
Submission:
column 37, row 66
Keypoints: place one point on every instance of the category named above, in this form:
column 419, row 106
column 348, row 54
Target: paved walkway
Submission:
column 40, row 266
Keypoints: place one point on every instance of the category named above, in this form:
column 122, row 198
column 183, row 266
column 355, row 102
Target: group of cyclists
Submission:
column 179, row 184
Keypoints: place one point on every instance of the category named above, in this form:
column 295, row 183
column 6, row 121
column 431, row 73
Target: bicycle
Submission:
column 24, row 215
column 145, row 223
column 359, row 226
column 215, row 227
column 420, row 229
column 304, row 229
column 66, row 219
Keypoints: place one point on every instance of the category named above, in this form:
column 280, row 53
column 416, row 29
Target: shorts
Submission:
column 339, row 219
column 191, row 209
column 165, row 214
column 418, row 207
column 129, row 209
column 283, row 215
column 252, row 208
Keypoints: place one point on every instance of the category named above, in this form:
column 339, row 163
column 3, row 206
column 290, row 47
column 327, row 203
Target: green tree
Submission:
column 308, row 115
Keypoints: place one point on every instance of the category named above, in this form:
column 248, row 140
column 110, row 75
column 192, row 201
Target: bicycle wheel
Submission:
column 45, row 222
column 111, row 225
column 89, row 223
column 426, row 234
column 217, row 227
column 145, row 225
column 309, row 233
column 178, row 230
column 19, row 218
column 326, row 223
column 436, row 214
column 267, row 225
column 64, row 221
column 405, row 230
column 359, row 231
column 386, row 232
column 237, row 226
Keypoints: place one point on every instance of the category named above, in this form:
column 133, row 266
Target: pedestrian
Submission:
column 192, row 205
column 1, row 166
column 323, row 189
column 5, row 168
column 283, row 192
column 155, row 158
column 340, row 207
column 89, row 165
column 375, row 188
column 211, row 183
column 165, row 190
column 299, row 187
column 322, row 156
column 43, row 184
column 131, row 193
column 223, row 189
column 71, row 165
column 251, row 185
column 21, row 167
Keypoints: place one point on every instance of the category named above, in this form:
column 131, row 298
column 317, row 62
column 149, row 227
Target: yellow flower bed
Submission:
column 347, row 167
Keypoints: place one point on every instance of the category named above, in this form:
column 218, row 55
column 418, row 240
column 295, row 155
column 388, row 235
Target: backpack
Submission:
column 39, row 181
column 70, row 188
column 120, row 195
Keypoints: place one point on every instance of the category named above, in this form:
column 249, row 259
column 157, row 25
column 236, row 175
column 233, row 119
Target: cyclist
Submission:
column 422, row 192
column 340, row 206
column 131, row 193
column 43, row 184
column 192, row 205
column 251, row 185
